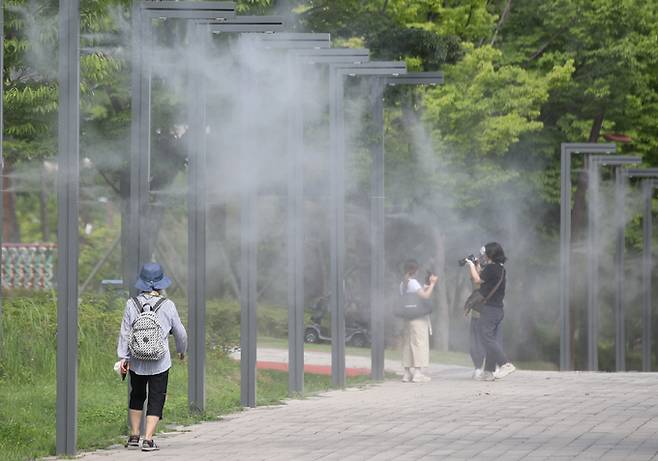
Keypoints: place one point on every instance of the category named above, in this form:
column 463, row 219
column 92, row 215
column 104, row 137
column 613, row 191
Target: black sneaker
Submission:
column 149, row 445
column 133, row 441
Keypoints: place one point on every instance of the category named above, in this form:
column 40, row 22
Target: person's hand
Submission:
column 433, row 279
column 470, row 263
column 124, row 366
column 181, row 355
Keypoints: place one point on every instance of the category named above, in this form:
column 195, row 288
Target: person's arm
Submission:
column 124, row 336
column 180, row 335
column 474, row 271
column 426, row 291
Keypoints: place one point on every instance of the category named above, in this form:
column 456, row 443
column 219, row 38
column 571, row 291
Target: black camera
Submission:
column 471, row 258
column 428, row 276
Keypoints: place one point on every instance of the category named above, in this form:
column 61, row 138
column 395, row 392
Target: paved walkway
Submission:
column 528, row 415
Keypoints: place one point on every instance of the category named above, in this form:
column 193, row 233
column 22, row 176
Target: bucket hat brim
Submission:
column 151, row 277
column 148, row 286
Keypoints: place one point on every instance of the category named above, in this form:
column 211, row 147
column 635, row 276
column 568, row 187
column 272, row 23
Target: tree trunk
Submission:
column 43, row 208
column 10, row 229
column 126, row 270
column 217, row 260
column 441, row 321
column 503, row 17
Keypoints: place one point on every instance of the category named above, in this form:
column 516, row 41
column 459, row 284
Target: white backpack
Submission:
column 146, row 339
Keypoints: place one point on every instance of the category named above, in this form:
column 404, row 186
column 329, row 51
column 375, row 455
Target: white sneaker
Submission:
column 420, row 378
column 477, row 373
column 505, row 370
column 406, row 377
column 487, row 376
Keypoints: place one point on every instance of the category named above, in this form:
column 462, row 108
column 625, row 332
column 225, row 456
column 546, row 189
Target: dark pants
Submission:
column 157, row 391
column 476, row 347
column 489, row 326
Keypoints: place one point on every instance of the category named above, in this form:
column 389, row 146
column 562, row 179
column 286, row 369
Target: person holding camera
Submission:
column 476, row 348
column 492, row 280
column 416, row 332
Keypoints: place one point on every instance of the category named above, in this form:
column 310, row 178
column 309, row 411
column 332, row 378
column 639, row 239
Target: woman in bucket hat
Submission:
column 148, row 369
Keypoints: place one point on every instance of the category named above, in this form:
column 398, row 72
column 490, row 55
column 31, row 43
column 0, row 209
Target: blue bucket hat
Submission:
column 151, row 278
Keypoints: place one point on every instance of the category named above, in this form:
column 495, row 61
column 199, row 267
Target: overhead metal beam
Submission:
column 566, row 151
column 287, row 41
column 243, row 24
column 167, row 9
column 417, row 78
column 641, row 172
column 68, row 178
column 332, row 55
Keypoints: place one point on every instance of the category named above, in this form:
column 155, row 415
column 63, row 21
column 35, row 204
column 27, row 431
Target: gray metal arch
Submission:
column 377, row 312
column 593, row 246
column 297, row 58
column 566, row 151
column 649, row 183
column 337, row 75
column 249, row 236
column 197, row 207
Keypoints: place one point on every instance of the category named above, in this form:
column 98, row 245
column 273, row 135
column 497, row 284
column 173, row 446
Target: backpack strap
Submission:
column 138, row 305
column 157, row 305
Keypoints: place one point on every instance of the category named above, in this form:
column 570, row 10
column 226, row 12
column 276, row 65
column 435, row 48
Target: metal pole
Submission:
column 593, row 249
column 140, row 143
column 647, row 269
column 248, row 263
column 295, row 234
column 377, row 313
column 67, row 235
column 565, row 245
column 620, row 334
column 337, row 230
column 196, row 293
column 2, row 160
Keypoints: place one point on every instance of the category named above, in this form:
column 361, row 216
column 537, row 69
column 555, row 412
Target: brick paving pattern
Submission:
column 528, row 415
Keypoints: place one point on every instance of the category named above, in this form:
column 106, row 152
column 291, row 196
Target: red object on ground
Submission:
column 617, row 137
column 311, row 369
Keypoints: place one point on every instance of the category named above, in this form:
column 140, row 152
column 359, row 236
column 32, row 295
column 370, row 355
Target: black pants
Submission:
column 157, row 391
column 489, row 325
column 476, row 348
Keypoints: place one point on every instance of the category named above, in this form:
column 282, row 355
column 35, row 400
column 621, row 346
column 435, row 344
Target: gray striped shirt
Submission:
column 170, row 323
